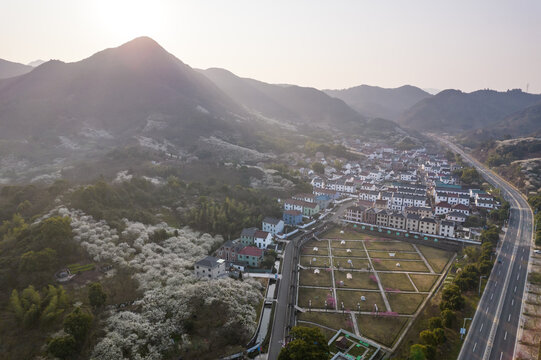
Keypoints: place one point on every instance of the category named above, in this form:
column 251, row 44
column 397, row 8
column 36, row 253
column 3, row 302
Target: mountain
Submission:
column 286, row 103
column 455, row 111
column 379, row 102
column 121, row 90
column 9, row 69
column 522, row 123
column 36, row 63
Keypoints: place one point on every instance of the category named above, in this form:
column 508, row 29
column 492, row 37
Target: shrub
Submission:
column 62, row 347
column 434, row 323
column 448, row 318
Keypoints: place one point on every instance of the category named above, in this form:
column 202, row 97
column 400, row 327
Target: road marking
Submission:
column 501, row 354
column 513, row 302
column 481, row 328
column 499, row 272
column 509, row 318
column 515, row 289
column 474, row 346
column 491, row 296
column 518, row 275
column 505, row 336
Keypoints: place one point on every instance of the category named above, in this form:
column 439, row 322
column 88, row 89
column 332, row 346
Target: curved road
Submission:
column 493, row 331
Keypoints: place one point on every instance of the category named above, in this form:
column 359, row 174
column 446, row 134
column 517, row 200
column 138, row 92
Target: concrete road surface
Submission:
column 493, row 332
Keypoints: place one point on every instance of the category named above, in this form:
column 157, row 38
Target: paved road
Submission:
column 281, row 311
column 284, row 313
column 492, row 334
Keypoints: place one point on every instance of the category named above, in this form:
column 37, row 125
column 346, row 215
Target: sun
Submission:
column 127, row 19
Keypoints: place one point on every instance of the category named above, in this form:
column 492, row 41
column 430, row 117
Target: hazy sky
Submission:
column 464, row 44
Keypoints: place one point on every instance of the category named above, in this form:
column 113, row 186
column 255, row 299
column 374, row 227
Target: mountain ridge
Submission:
column 10, row 69
column 379, row 102
column 455, row 111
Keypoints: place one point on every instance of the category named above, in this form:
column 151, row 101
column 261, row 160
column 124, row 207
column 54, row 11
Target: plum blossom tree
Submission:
column 163, row 271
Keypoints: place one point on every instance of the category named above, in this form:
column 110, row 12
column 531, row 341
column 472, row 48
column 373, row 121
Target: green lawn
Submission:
column 308, row 278
column 360, row 280
column 352, row 298
column 405, row 303
column 75, row 268
column 390, row 265
column 356, row 263
column 335, row 321
column 310, row 250
column 348, row 244
column 389, row 246
column 437, row 258
column 354, row 252
column 396, row 281
column 423, row 282
column 383, row 329
column 320, row 261
column 397, row 255
column 318, row 297
column 348, row 234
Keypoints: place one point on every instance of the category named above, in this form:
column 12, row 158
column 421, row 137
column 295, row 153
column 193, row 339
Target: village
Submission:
column 413, row 191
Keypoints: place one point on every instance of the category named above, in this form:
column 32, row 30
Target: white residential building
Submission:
column 447, row 228
column 210, row 268
column 262, row 239
column 272, row 225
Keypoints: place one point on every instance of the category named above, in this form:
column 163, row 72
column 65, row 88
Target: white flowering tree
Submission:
column 172, row 296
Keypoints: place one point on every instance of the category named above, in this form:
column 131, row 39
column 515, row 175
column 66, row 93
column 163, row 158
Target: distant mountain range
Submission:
column 454, row 111
column 290, row 103
column 10, row 69
column 36, row 63
column 58, row 115
column 379, row 102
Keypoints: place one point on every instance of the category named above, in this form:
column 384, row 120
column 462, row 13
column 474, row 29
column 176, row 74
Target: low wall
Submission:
column 437, row 241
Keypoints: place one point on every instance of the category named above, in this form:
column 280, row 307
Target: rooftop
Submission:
column 210, row 262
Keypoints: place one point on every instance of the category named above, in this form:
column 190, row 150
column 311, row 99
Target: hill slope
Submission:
column 524, row 122
column 288, row 103
column 117, row 90
column 9, row 69
column 379, row 102
column 455, row 111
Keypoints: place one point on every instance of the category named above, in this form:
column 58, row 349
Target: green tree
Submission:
column 11, row 229
column 427, row 337
column 491, row 235
column 439, row 335
column 96, row 295
column 452, row 298
column 434, row 323
column 78, row 324
column 43, row 260
column 470, row 176
column 62, row 347
column 307, row 344
column 30, row 305
column 318, row 167
column 448, row 318
column 417, row 352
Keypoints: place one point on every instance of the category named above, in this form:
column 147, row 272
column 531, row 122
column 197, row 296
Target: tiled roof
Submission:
column 251, row 251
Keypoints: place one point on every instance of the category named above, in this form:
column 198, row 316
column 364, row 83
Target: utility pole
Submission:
column 463, row 328
column 482, row 276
